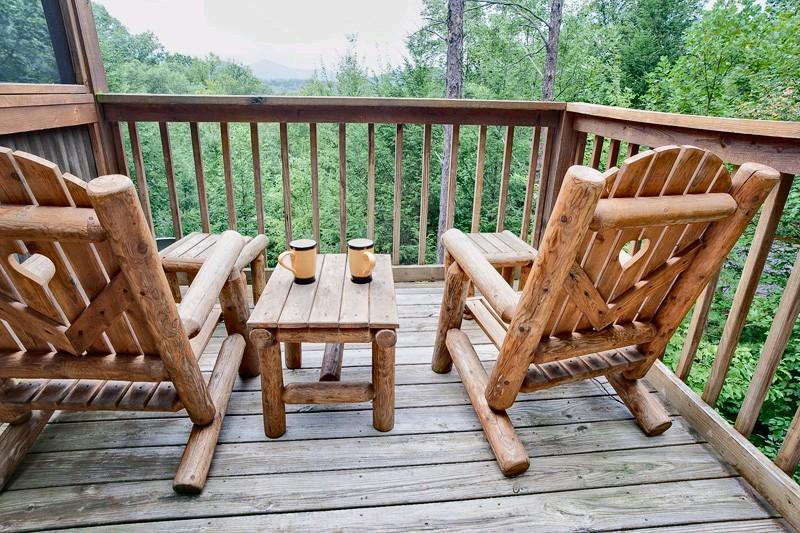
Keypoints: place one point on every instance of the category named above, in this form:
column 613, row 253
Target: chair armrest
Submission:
column 255, row 246
column 204, row 290
column 483, row 275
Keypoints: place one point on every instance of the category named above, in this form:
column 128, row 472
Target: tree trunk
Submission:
column 551, row 49
column 454, row 77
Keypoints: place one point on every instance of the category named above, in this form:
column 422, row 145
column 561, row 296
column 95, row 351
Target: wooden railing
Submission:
column 560, row 135
column 542, row 119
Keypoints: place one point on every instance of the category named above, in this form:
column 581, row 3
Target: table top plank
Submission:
column 382, row 304
column 328, row 300
column 355, row 304
column 299, row 302
column 269, row 307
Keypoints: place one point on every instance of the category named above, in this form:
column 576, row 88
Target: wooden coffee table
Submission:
column 333, row 310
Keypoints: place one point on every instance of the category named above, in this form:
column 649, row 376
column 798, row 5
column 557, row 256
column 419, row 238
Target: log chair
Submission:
column 88, row 320
column 622, row 260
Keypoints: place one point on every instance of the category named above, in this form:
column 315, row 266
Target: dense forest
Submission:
column 732, row 58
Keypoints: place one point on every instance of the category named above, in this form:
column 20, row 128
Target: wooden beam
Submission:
column 618, row 213
column 66, row 224
column 186, row 108
column 332, row 358
column 60, row 365
column 328, row 392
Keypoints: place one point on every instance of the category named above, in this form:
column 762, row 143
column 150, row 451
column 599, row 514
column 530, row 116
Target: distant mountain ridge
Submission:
column 270, row 70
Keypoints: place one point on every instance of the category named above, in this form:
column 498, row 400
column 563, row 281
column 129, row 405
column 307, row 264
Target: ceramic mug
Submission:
column 361, row 258
column 301, row 260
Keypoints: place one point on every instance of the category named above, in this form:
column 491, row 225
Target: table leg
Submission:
column 383, row 379
column 269, row 352
column 294, row 355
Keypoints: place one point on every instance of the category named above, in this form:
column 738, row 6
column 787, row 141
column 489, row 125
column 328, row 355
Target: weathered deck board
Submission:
column 591, row 467
column 612, row 508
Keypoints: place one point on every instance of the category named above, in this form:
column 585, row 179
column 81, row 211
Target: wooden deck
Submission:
column 591, row 467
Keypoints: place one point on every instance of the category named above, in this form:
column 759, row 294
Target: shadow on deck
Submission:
column 591, row 467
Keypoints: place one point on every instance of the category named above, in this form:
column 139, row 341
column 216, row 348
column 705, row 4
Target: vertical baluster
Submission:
column 371, row 181
column 398, row 193
column 312, row 141
column 423, row 193
column 504, row 177
column 597, row 151
column 789, row 455
column 227, row 168
column 533, row 162
column 166, row 148
column 477, row 195
column 580, row 148
column 451, row 178
column 613, row 154
column 538, row 222
column 772, row 353
column 199, row 174
column 343, row 187
column 287, row 188
column 119, row 149
column 141, row 177
column 633, row 149
column 745, row 291
column 696, row 327
column 255, row 149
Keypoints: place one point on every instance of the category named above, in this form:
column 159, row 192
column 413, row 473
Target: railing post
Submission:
column 565, row 142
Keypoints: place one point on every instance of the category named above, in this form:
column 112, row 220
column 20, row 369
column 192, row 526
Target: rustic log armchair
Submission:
column 87, row 320
column 623, row 258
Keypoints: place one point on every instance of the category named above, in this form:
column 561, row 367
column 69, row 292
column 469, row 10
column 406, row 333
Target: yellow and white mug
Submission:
column 361, row 258
column 301, row 260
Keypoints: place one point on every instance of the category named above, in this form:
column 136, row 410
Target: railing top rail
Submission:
column 200, row 108
column 763, row 128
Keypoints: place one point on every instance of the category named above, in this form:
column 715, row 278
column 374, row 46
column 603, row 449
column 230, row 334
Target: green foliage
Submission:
column 25, row 44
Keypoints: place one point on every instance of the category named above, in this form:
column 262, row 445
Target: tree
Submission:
column 454, row 77
column 551, row 49
column 653, row 29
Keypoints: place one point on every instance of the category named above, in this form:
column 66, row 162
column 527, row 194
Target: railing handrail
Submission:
column 763, row 128
column 327, row 109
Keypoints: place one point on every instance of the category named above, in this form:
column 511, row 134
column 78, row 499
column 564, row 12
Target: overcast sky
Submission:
column 295, row 33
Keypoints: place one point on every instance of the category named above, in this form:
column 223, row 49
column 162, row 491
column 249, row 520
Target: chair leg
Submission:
column 508, row 449
column 17, row 439
column 199, row 451
column 174, row 286
column 235, row 312
column 645, row 407
column 456, row 284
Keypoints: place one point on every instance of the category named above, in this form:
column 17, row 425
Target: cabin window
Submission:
column 33, row 43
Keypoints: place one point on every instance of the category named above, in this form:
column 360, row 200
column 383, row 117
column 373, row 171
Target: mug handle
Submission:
column 287, row 253
column 371, row 259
